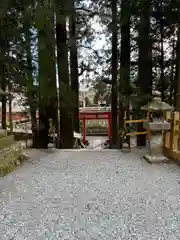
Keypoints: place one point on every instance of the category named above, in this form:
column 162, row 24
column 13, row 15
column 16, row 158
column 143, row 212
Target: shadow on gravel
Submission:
column 35, row 155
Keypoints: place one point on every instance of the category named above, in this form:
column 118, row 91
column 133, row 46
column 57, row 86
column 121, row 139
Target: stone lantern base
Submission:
column 155, row 154
column 156, row 159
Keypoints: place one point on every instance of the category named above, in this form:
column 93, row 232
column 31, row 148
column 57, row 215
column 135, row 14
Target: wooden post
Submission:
column 148, row 131
column 125, row 116
column 10, row 113
column 172, row 132
column 84, row 129
column 175, row 136
column 166, row 134
column 109, row 127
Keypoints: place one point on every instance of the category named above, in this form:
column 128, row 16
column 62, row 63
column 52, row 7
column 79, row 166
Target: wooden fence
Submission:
column 135, row 133
column 172, row 137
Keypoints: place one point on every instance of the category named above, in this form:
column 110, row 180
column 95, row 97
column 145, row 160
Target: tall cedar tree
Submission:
column 47, row 71
column 3, row 86
column 124, row 84
column 30, row 81
column 74, row 67
column 177, row 73
column 145, row 59
column 65, row 103
column 162, row 80
column 114, row 74
column 3, row 50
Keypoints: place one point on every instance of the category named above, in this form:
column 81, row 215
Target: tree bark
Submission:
column 145, row 50
column 30, row 85
column 65, row 96
column 145, row 62
column 124, row 84
column 3, row 86
column 162, row 52
column 114, row 75
column 47, row 71
column 10, row 108
column 74, row 67
column 172, row 76
column 3, row 76
column 177, row 74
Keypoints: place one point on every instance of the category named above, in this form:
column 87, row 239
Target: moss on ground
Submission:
column 11, row 155
column 6, row 141
column 8, row 164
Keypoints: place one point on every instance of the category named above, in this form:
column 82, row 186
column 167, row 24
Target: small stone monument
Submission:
column 157, row 125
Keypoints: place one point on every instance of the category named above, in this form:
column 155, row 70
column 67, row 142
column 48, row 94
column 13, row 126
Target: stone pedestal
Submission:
column 10, row 154
column 155, row 154
column 156, row 159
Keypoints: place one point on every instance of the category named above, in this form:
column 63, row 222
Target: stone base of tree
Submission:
column 11, row 155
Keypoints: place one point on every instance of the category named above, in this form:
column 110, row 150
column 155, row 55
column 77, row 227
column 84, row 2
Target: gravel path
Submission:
column 87, row 195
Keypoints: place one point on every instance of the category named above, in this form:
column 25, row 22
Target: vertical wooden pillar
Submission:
column 148, row 131
column 109, row 127
column 175, row 136
column 10, row 114
column 84, row 129
column 172, row 132
column 168, row 134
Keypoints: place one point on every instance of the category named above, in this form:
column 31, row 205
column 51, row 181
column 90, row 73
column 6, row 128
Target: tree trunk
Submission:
column 145, row 50
column 42, row 131
column 10, row 108
column 47, row 71
column 144, row 63
column 162, row 52
column 30, row 86
column 124, row 84
column 3, row 77
column 65, row 101
column 74, row 68
column 3, row 86
column 52, row 109
column 114, row 76
column 172, row 76
column 177, row 74
column 177, row 71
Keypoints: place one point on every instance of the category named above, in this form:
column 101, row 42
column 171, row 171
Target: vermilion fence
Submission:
column 84, row 116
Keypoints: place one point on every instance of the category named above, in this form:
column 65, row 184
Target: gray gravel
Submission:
column 87, row 195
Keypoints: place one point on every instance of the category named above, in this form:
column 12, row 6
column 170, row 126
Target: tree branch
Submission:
column 88, row 11
column 86, row 47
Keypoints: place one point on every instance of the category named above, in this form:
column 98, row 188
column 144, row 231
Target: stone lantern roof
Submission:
column 156, row 105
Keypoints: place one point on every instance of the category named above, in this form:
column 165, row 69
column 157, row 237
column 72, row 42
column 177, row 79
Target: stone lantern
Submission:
column 156, row 125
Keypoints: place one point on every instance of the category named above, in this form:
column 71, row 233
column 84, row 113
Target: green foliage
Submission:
column 6, row 141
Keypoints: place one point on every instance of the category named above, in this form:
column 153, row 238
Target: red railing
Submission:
column 94, row 116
